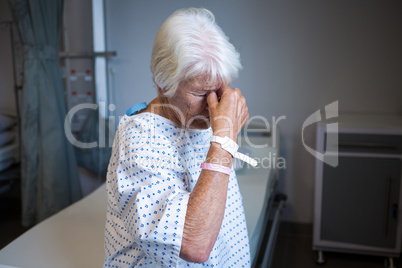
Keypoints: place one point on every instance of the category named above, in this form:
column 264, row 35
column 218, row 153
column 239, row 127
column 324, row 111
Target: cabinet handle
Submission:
column 387, row 201
column 388, row 146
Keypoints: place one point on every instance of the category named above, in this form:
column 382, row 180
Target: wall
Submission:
column 298, row 56
column 7, row 99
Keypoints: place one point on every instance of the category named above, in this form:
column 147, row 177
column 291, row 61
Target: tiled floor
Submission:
column 294, row 250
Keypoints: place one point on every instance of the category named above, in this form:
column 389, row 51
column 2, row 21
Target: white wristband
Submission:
column 226, row 143
column 231, row 146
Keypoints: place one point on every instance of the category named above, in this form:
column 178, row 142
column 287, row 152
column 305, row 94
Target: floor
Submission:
column 294, row 250
column 10, row 211
column 10, row 222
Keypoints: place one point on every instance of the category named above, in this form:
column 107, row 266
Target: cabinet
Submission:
column 357, row 203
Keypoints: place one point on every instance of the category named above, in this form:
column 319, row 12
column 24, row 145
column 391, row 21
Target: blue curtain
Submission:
column 49, row 170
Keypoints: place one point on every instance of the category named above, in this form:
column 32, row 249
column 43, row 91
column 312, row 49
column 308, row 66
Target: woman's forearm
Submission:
column 206, row 208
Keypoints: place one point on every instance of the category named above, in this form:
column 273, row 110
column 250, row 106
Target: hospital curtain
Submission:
column 49, row 178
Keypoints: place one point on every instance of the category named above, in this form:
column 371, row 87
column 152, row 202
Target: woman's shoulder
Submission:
column 155, row 127
column 147, row 126
column 145, row 120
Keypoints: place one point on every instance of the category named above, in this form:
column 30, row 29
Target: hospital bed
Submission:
column 74, row 236
column 263, row 204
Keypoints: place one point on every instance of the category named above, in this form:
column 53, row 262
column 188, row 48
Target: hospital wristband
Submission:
column 226, row 143
column 231, row 146
column 215, row 167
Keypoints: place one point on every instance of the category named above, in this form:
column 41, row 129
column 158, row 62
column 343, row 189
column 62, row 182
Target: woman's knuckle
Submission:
column 232, row 97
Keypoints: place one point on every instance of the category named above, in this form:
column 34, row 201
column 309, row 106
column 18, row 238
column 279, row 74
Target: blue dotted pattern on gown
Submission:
column 153, row 168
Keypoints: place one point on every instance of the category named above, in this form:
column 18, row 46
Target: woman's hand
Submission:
column 229, row 114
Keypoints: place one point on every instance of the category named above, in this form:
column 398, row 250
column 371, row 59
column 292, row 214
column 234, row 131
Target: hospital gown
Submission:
column 153, row 168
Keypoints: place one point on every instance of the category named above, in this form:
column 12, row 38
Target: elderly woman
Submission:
column 173, row 197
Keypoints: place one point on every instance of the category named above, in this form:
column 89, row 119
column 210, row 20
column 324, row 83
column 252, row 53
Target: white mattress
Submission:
column 9, row 154
column 6, row 137
column 7, row 121
column 9, row 147
column 74, row 236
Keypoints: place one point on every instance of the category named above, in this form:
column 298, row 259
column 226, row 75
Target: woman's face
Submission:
column 189, row 104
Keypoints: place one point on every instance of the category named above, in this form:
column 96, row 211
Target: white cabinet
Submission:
column 357, row 202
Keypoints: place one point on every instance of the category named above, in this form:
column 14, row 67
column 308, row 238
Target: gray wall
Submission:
column 7, row 100
column 298, row 56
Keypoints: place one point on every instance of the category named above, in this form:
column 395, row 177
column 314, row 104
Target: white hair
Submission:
column 190, row 45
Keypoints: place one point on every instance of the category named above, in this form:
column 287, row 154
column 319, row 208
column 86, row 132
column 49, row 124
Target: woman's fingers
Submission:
column 228, row 111
column 212, row 100
column 223, row 90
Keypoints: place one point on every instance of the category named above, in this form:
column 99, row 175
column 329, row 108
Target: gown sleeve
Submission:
column 149, row 193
